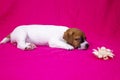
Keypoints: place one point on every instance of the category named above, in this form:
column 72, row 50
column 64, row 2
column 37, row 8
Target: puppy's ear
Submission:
column 68, row 34
column 65, row 36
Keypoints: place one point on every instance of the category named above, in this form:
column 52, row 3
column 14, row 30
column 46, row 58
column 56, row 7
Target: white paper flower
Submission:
column 103, row 53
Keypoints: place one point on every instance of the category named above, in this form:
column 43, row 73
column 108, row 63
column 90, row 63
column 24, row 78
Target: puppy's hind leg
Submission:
column 21, row 39
column 22, row 44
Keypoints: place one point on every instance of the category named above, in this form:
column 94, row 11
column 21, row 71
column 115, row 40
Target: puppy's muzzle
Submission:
column 84, row 45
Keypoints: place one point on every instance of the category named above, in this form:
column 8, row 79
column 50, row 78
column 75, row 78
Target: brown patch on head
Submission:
column 74, row 37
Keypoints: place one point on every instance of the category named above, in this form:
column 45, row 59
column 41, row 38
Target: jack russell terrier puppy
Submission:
column 28, row 36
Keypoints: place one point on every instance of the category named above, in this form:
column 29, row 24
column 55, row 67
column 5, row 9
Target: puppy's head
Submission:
column 76, row 38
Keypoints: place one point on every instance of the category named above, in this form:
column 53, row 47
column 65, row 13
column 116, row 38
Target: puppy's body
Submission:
column 28, row 36
column 38, row 34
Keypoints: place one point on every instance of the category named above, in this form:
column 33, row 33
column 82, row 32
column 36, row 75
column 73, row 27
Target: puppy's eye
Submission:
column 81, row 40
column 77, row 39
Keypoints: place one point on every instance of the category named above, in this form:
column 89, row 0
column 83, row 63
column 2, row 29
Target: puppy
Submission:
column 28, row 37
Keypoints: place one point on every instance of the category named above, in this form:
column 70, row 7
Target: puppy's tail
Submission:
column 5, row 40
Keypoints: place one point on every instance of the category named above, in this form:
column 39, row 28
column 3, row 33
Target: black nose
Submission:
column 87, row 45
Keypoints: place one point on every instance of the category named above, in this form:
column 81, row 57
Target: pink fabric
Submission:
column 99, row 19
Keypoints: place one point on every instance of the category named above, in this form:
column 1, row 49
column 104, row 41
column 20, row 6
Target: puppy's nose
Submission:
column 87, row 45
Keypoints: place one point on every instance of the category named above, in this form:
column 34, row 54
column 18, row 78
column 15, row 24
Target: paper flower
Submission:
column 103, row 53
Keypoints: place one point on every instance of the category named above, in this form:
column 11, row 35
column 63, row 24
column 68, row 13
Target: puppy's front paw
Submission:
column 30, row 46
column 69, row 47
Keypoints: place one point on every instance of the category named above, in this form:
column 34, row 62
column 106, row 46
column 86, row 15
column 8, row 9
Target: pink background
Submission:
column 99, row 19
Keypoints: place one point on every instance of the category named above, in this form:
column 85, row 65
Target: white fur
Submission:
column 28, row 36
column 83, row 45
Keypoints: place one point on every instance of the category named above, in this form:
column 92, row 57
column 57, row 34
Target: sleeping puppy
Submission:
column 28, row 37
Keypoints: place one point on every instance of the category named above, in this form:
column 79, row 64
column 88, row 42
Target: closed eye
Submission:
column 81, row 40
column 77, row 39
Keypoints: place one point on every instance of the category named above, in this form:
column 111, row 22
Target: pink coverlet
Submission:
column 99, row 19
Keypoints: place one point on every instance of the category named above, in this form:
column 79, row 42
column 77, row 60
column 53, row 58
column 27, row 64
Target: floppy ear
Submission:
column 65, row 36
column 68, row 34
